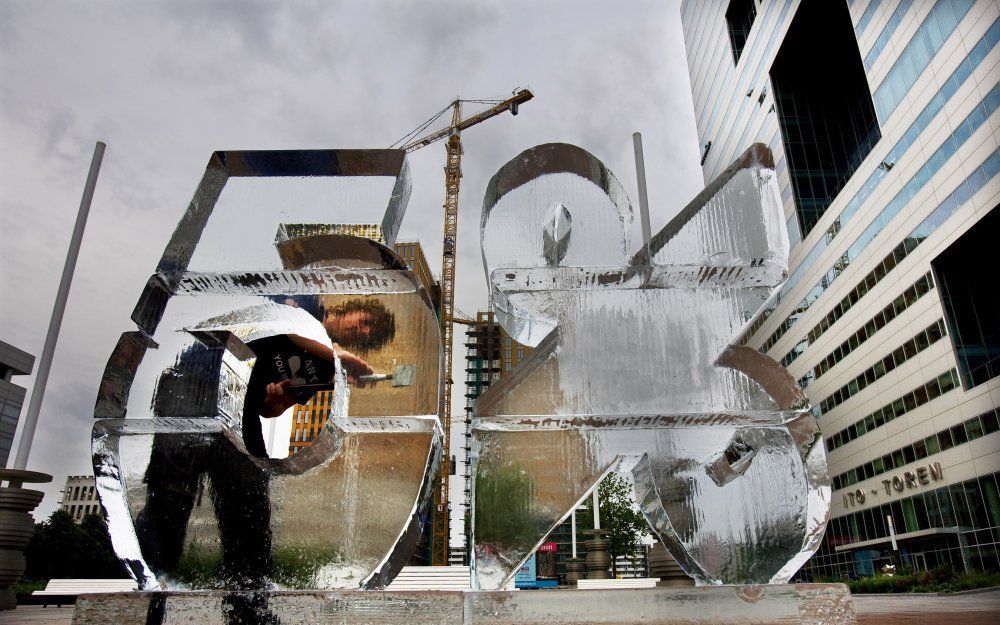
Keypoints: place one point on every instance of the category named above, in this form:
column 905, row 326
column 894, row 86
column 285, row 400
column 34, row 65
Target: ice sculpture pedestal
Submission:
column 808, row 604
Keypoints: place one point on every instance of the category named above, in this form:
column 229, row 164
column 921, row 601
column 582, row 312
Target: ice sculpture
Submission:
column 634, row 371
column 256, row 307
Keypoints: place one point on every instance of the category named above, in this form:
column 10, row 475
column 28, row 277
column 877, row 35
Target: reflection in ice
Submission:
column 634, row 371
column 210, row 475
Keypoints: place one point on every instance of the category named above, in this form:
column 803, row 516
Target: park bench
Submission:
column 60, row 591
column 609, row 584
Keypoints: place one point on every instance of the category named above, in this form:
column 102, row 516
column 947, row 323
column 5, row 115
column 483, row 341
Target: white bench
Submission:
column 65, row 590
column 609, row 584
column 432, row 578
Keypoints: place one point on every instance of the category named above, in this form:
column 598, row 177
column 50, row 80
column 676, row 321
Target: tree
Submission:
column 619, row 516
column 62, row 549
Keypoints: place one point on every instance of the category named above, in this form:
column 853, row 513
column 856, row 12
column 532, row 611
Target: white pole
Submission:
column 640, row 174
column 572, row 523
column 597, row 511
column 892, row 532
column 45, row 362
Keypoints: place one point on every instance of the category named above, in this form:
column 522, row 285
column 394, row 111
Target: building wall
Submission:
column 308, row 419
column 79, row 497
column 13, row 361
column 928, row 180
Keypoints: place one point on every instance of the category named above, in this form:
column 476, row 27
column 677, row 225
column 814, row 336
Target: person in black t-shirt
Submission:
column 240, row 487
column 284, row 361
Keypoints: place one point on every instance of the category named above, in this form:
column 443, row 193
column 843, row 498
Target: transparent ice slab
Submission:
column 634, row 371
column 190, row 502
column 344, row 513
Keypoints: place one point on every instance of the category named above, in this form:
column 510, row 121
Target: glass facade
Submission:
column 966, row 516
column 930, row 36
column 739, row 18
column 824, row 106
column 866, row 17
column 973, row 312
column 965, row 129
column 930, row 111
column 883, row 38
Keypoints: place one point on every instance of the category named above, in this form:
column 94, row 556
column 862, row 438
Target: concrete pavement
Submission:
column 982, row 608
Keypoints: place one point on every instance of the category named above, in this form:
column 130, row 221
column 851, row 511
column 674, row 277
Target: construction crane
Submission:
column 452, row 176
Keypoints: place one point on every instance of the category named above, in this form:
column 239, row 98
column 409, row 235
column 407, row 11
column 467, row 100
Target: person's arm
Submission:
column 355, row 366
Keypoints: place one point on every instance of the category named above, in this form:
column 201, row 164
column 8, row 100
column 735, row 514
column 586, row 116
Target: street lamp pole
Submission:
column 55, row 322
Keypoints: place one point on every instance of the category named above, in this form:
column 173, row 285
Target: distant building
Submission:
column 413, row 253
column 79, row 497
column 490, row 354
column 13, row 361
column 309, row 418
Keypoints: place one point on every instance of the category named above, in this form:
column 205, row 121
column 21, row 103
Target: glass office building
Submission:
column 881, row 115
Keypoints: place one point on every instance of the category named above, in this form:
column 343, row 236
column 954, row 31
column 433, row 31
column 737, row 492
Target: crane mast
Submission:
column 452, row 179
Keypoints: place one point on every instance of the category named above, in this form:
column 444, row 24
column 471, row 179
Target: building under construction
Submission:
column 490, row 354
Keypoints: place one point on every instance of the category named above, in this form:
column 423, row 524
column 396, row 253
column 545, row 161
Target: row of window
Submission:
column 964, row 130
column 973, row 504
column 890, row 27
column 913, row 293
column 924, row 339
column 868, row 282
column 969, row 430
column 919, row 396
column 930, row 111
column 917, row 55
column 81, row 492
column 866, row 17
column 484, row 377
column 78, row 512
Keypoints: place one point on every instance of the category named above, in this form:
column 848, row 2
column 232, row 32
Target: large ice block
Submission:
column 634, row 370
column 256, row 308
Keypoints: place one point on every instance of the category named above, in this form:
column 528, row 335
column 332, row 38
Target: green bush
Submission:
column 938, row 580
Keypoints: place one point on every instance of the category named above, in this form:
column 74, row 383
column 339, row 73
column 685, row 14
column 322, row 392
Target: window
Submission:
column 824, row 106
column 970, row 310
column 739, row 17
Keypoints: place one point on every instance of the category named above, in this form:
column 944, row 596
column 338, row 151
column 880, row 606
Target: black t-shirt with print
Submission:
column 278, row 359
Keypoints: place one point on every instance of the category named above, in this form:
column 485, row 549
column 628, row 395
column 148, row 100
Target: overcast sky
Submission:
column 165, row 84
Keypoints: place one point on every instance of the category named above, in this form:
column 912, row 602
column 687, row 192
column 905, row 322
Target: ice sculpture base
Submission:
column 811, row 604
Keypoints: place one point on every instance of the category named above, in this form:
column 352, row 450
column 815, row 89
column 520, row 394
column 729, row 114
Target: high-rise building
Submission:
column 79, row 497
column 309, row 418
column 881, row 116
column 13, row 361
column 490, row 354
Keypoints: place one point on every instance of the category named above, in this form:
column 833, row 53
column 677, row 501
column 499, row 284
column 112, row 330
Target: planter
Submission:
column 598, row 555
